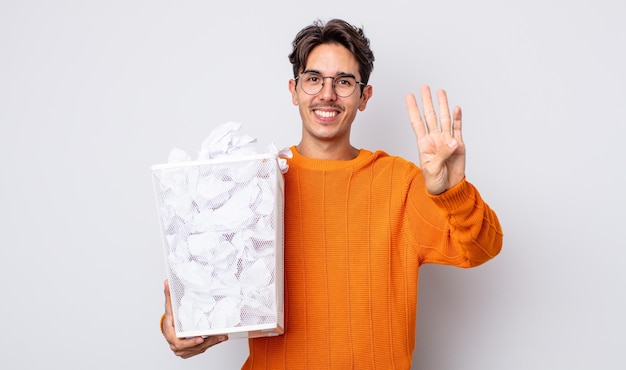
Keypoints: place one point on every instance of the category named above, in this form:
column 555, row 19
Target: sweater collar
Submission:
column 324, row 164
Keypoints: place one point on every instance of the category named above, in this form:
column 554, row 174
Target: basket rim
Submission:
column 213, row 161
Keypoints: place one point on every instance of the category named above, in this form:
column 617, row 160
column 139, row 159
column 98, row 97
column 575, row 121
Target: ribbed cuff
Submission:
column 454, row 197
column 161, row 324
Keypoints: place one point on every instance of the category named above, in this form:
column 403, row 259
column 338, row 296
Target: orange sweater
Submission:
column 356, row 233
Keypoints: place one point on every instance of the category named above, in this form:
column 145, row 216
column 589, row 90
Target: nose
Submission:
column 328, row 89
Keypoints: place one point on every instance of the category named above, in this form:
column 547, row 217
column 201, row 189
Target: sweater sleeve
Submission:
column 454, row 228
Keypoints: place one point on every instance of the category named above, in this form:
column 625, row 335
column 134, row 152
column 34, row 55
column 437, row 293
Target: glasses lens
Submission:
column 344, row 85
column 312, row 84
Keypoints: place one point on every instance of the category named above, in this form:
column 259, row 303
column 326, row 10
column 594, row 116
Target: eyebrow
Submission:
column 342, row 74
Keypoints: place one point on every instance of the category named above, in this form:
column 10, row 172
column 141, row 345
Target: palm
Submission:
column 440, row 143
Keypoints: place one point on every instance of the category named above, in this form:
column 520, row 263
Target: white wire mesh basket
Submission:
column 222, row 233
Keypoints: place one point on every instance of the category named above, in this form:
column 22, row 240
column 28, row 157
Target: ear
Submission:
column 367, row 94
column 292, row 90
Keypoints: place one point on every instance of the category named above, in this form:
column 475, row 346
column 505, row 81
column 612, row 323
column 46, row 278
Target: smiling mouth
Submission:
column 325, row 114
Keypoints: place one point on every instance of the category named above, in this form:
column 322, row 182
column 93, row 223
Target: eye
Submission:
column 345, row 81
column 312, row 78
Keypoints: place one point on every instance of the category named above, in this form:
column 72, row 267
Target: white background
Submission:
column 94, row 93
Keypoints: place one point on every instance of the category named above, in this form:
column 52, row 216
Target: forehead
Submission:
column 332, row 59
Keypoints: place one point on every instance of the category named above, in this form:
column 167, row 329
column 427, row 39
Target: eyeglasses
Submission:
column 343, row 84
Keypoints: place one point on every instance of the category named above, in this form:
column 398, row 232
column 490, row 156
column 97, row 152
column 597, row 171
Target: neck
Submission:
column 328, row 151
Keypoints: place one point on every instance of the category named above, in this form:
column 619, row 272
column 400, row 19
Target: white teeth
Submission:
column 325, row 114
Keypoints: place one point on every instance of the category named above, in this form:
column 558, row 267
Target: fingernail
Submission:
column 452, row 143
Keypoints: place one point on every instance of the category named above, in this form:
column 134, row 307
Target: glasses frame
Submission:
column 323, row 78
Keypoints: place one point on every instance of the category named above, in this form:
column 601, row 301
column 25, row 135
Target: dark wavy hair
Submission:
column 335, row 31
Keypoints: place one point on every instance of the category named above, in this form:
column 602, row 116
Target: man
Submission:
column 359, row 224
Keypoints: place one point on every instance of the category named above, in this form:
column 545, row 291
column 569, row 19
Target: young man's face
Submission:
column 325, row 115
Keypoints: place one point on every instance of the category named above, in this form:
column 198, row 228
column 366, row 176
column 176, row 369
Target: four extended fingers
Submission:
column 445, row 123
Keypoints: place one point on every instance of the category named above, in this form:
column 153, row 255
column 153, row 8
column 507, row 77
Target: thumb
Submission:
column 168, row 298
column 444, row 152
column 452, row 144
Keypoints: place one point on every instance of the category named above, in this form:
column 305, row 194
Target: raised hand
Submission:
column 440, row 143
